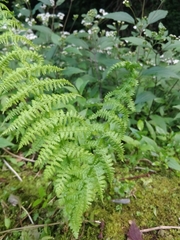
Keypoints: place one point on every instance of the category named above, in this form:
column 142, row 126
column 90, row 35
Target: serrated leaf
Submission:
column 156, row 16
column 120, row 16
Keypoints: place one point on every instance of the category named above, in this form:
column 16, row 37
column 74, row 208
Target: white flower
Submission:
column 60, row 15
column 52, row 2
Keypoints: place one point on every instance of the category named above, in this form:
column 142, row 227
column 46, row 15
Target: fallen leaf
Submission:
column 134, row 232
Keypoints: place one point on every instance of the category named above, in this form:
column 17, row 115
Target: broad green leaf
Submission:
column 143, row 97
column 164, row 72
column 76, row 41
column 111, row 27
column 81, row 84
column 69, row 71
column 5, row 143
column 177, row 107
column 25, row 12
column 7, row 222
column 156, row 16
column 137, row 41
column 140, row 125
column 160, row 131
column 173, row 163
column 50, row 53
column 150, row 142
column 159, row 121
column 131, row 141
column 55, row 39
column 59, row 2
column 42, row 29
column 120, row 16
column 73, row 50
column 37, row 6
column 105, row 42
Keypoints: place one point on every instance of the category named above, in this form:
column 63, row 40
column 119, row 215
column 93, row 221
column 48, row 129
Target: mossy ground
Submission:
column 155, row 201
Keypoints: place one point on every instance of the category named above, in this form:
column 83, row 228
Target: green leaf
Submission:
column 156, row 16
column 73, row 50
column 25, row 12
column 151, row 130
column 131, row 141
column 59, row 2
column 120, row 16
column 5, row 143
column 46, row 2
column 177, row 116
column 55, row 39
column 7, row 222
column 140, row 125
column 76, row 41
column 137, row 41
column 69, row 71
column 165, row 72
column 173, row 163
column 42, row 29
column 81, row 84
column 151, row 143
column 47, row 238
column 177, row 107
column 143, row 97
column 159, row 121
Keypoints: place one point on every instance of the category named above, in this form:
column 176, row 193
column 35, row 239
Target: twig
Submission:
column 159, row 228
column 17, row 156
column 143, row 168
column 145, row 160
column 29, row 227
column 137, row 177
column 27, row 214
column 12, row 170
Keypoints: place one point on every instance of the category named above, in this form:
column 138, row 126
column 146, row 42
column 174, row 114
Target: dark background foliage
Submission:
column 172, row 21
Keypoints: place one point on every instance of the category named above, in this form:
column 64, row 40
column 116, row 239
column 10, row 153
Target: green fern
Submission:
column 77, row 153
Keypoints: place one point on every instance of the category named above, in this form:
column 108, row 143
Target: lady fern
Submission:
column 76, row 152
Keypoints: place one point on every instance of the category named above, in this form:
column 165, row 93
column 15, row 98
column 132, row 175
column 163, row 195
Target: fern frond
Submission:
column 22, row 56
column 8, row 37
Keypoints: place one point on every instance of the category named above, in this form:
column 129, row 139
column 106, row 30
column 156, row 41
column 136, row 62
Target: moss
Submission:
column 155, row 202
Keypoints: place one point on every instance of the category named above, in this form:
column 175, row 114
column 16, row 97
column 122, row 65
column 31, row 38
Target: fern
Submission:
column 77, row 153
